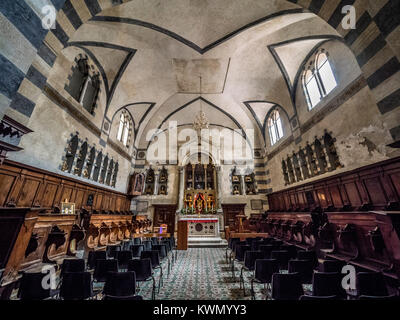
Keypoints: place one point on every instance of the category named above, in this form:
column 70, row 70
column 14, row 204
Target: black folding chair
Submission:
column 93, row 257
column 31, row 287
column 120, row 284
column 143, row 272
column 153, row 255
column 328, row 284
column 250, row 258
column 76, row 286
column 263, row 271
column 103, row 267
column 286, row 286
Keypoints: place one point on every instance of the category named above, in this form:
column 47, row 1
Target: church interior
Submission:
column 199, row 150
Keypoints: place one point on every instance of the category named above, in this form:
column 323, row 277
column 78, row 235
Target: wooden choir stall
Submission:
column 38, row 226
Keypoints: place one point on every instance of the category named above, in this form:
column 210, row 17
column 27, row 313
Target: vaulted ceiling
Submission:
column 247, row 52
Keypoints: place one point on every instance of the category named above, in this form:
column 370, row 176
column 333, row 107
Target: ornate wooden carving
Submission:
column 25, row 186
column 77, row 235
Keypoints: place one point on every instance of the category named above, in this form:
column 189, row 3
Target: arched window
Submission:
column 84, row 85
column 90, row 92
column 275, row 127
column 318, row 79
column 125, row 128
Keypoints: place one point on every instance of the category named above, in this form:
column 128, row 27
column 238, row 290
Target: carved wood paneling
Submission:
column 25, row 186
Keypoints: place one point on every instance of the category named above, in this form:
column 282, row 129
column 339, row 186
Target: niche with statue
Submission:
column 163, row 182
column 314, row 159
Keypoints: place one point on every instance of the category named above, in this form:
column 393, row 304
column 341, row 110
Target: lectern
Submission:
column 183, row 230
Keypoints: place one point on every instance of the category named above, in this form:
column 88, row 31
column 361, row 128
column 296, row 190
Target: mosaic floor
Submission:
column 202, row 273
column 199, row 274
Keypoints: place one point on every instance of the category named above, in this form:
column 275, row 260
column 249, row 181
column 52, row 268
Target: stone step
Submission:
column 206, row 242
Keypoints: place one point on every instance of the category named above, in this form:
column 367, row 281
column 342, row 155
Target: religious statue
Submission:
column 236, row 190
column 162, row 190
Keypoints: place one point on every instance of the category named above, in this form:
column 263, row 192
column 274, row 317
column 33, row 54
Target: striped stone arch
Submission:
column 372, row 42
column 40, row 47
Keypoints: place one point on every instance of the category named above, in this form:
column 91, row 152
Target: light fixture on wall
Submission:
column 200, row 121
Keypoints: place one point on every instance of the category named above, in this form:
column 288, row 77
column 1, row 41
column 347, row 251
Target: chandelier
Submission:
column 200, row 121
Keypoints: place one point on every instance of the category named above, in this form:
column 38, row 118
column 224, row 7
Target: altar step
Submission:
column 206, row 242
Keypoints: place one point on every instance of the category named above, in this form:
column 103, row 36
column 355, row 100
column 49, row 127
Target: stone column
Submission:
column 181, row 186
column 243, row 185
column 156, row 182
column 219, row 186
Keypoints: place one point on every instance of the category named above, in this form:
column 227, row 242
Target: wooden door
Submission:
column 165, row 214
column 231, row 211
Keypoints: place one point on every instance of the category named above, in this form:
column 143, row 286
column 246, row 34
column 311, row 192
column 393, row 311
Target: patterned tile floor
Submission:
column 199, row 274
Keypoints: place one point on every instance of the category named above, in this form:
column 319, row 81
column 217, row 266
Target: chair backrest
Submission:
column 332, row 266
column 108, row 297
column 264, row 269
column 137, row 241
column 76, row 286
column 240, row 250
column 162, row 250
column 142, row 268
column 168, row 244
column 283, row 258
column 276, row 242
column 154, row 240
column 111, row 250
column 232, row 241
column 267, row 240
column 120, row 284
column 249, row 241
column 328, row 284
column 148, row 244
column 123, row 257
column 126, row 244
column 103, row 267
column 136, row 250
column 267, row 249
column 153, row 255
column 371, row 284
column 72, row 265
column 238, row 243
column 286, row 286
column 94, row 256
column 289, row 248
column 383, row 298
column 308, row 255
column 31, row 288
column 317, row 298
column 303, row 267
column 250, row 258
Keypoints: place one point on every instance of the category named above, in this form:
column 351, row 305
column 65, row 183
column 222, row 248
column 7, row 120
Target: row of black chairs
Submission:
column 267, row 256
column 137, row 255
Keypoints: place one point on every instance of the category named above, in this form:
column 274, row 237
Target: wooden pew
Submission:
column 294, row 228
column 352, row 216
column 16, row 226
column 369, row 240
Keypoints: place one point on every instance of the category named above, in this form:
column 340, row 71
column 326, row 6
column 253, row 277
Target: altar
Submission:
column 202, row 226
